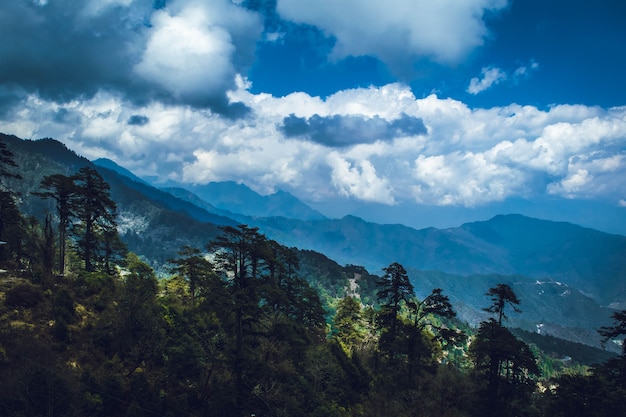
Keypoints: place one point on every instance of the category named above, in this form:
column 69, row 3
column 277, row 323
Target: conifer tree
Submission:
column 346, row 324
column 10, row 217
column 394, row 291
column 618, row 330
column 7, row 164
column 62, row 189
column 501, row 295
column 504, row 362
column 96, row 212
column 193, row 267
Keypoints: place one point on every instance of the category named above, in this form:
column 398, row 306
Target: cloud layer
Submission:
column 376, row 144
column 188, row 53
column 446, row 30
column 158, row 87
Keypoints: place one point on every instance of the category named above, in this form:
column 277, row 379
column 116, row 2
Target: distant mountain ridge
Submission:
column 113, row 166
column 593, row 261
column 589, row 260
column 229, row 198
column 578, row 269
column 239, row 198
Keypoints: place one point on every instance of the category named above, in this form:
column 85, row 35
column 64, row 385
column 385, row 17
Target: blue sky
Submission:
column 404, row 111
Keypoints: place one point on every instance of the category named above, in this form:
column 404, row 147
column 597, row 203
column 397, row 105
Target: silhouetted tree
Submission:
column 394, row 291
column 618, row 330
column 7, row 163
column 10, row 216
column 419, row 345
column 240, row 255
column 505, row 363
column 11, row 230
column 62, row 190
column 501, row 295
column 96, row 212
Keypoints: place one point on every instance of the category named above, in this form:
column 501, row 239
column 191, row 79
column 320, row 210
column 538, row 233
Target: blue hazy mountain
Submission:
column 238, row 198
column 565, row 274
column 112, row 165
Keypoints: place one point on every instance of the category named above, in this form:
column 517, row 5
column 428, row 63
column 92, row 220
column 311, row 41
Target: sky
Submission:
column 404, row 111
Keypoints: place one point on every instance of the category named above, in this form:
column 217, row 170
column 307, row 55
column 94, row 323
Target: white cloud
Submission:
column 465, row 179
column 490, row 77
column 190, row 49
column 466, row 156
column 445, row 30
column 571, row 184
column 359, row 180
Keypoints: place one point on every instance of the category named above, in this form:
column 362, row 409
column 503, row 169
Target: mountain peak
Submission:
column 239, row 198
column 113, row 166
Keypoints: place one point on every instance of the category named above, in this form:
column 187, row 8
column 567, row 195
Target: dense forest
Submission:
column 243, row 327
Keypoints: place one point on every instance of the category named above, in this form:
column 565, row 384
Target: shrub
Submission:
column 23, row 295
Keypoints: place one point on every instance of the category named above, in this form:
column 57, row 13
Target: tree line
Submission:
column 86, row 328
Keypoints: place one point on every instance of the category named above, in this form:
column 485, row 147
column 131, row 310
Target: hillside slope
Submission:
column 563, row 273
column 593, row 261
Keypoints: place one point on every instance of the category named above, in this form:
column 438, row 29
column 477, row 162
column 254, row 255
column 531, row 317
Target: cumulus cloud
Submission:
column 465, row 178
column 445, row 30
column 338, row 130
column 190, row 51
column 359, row 180
column 436, row 151
column 187, row 53
column 572, row 184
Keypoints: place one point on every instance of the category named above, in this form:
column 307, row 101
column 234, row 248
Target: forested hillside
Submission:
column 242, row 325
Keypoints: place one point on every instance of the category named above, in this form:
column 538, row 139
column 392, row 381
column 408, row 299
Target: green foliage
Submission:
column 7, row 164
column 23, row 295
column 394, row 292
column 505, row 366
column 617, row 331
column 501, row 295
column 348, row 328
column 11, row 232
column 194, row 268
column 95, row 210
column 560, row 352
column 246, row 334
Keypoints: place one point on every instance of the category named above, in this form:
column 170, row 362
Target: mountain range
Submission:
column 569, row 278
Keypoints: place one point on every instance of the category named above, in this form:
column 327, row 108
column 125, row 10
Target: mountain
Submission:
column 565, row 275
column 113, row 166
column 548, row 306
column 151, row 222
column 238, row 198
column 185, row 194
column 593, row 261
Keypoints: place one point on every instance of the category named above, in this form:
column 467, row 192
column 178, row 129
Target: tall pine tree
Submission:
column 96, row 212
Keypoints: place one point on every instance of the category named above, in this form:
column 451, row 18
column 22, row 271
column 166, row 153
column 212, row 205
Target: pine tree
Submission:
column 501, row 295
column 11, row 219
column 96, row 212
column 62, row 189
column 394, row 291
column 504, row 362
column 193, row 267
